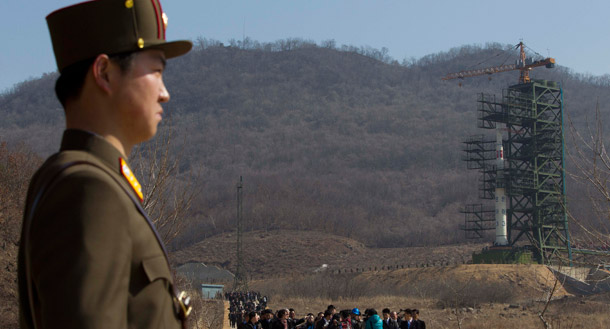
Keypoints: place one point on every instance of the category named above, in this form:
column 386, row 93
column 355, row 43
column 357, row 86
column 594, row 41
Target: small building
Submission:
column 198, row 272
column 211, row 291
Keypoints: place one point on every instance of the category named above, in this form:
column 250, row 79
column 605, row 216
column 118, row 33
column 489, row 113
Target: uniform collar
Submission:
column 100, row 148
column 80, row 140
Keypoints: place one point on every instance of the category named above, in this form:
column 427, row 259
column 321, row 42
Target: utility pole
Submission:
column 241, row 281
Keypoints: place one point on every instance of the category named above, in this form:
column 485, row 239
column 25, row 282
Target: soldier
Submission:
column 89, row 254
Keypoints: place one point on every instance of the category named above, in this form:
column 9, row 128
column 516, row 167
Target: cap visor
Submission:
column 173, row 48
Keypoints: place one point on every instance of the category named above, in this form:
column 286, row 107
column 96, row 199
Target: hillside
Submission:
column 349, row 158
column 343, row 141
column 287, row 252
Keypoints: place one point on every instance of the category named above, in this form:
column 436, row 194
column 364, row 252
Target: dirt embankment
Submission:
column 288, row 252
column 526, row 282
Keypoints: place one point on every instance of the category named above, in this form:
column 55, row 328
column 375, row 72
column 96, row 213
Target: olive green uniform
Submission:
column 95, row 261
column 89, row 257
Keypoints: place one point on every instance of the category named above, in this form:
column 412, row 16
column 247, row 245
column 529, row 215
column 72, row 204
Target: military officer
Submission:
column 89, row 255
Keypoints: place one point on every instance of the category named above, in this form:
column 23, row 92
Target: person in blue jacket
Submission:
column 373, row 320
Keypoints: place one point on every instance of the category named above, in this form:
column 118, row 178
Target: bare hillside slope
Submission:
column 286, row 252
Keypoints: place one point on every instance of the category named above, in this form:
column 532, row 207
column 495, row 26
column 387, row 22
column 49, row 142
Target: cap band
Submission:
column 87, row 29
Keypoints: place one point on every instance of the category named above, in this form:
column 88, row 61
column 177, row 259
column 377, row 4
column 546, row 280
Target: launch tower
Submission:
column 522, row 171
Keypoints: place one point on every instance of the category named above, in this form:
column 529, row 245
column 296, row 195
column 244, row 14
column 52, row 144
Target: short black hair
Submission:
column 252, row 314
column 386, row 310
column 72, row 79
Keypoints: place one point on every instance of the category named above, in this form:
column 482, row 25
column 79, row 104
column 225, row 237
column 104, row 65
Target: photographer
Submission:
column 335, row 322
column 324, row 322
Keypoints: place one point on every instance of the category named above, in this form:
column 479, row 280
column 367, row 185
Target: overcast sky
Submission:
column 575, row 33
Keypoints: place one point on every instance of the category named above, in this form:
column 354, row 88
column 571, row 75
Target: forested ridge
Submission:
column 338, row 139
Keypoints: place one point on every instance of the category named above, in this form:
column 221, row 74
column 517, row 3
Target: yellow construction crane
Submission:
column 524, row 65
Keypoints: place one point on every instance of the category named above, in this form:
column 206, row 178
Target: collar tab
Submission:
column 131, row 178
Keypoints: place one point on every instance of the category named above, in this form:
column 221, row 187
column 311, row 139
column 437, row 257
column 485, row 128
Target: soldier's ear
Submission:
column 101, row 70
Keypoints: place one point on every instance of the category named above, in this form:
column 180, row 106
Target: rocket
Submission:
column 500, row 192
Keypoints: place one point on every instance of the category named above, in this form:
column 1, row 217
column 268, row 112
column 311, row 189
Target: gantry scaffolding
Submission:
column 533, row 174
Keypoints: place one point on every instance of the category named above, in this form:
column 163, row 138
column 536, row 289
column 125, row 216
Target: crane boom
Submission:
column 520, row 65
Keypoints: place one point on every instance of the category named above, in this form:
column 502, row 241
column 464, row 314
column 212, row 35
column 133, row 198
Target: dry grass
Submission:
column 206, row 314
column 473, row 284
column 475, row 296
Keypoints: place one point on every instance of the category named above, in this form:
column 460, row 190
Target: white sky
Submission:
column 575, row 33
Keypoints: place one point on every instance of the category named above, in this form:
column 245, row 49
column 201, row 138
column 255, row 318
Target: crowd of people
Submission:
column 242, row 303
column 329, row 319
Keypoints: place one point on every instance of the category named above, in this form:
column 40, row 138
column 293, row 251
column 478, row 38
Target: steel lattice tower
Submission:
column 240, row 282
column 533, row 175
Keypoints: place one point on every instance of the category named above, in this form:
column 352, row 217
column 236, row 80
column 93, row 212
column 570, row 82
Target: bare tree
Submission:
column 592, row 163
column 206, row 313
column 167, row 198
column 17, row 165
column 456, row 296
